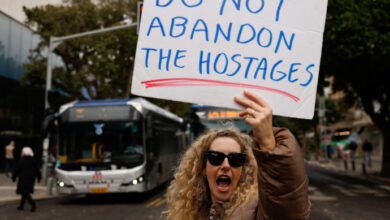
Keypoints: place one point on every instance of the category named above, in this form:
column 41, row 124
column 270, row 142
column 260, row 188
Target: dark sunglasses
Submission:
column 216, row 158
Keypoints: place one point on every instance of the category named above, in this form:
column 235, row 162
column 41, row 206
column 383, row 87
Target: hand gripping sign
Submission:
column 207, row 51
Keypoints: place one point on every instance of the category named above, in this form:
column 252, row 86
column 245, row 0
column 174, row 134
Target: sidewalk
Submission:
column 8, row 191
column 346, row 166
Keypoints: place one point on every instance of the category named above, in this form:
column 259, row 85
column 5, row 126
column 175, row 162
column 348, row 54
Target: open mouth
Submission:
column 223, row 181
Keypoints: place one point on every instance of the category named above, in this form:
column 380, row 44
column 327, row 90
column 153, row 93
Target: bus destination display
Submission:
column 96, row 113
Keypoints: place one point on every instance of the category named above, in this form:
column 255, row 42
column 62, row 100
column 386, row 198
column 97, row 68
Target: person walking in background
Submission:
column 26, row 170
column 353, row 146
column 9, row 157
column 367, row 148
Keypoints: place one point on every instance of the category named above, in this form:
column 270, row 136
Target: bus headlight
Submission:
column 134, row 181
column 61, row 183
column 138, row 180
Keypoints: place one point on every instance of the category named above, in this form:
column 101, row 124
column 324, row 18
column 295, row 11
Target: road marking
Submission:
column 322, row 198
column 360, row 189
column 385, row 187
column 152, row 203
column 364, row 191
column 160, row 202
column 342, row 190
column 316, row 195
column 312, row 188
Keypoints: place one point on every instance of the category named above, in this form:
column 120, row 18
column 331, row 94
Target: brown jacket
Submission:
column 283, row 183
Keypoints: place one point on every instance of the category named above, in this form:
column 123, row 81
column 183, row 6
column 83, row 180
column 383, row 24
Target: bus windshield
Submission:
column 100, row 145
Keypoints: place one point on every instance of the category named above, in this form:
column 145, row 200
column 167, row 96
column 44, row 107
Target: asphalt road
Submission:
column 116, row 206
column 333, row 195
column 340, row 196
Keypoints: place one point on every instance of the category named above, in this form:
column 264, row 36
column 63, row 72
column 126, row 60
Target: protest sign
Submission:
column 208, row 51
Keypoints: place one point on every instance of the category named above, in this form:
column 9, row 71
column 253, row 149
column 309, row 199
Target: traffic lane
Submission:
column 111, row 206
column 336, row 195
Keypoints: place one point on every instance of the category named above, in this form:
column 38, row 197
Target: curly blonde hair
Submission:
column 189, row 195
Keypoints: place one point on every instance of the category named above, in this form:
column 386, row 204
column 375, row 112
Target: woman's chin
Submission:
column 222, row 196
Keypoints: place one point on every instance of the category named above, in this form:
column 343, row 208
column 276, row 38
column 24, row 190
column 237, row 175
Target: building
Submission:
column 21, row 107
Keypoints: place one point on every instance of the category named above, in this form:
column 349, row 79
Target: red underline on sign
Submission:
column 206, row 82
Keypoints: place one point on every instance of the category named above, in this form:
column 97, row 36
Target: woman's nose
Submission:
column 225, row 163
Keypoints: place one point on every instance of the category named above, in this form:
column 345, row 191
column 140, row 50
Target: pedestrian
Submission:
column 353, row 146
column 26, row 170
column 367, row 148
column 9, row 157
column 226, row 175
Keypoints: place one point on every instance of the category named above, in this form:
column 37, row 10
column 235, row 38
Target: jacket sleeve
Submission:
column 283, row 182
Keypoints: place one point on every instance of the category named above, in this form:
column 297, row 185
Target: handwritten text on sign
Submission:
column 207, row 51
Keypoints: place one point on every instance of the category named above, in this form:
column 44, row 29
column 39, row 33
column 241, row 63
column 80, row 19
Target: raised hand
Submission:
column 259, row 115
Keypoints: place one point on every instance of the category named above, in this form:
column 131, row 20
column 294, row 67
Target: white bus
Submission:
column 111, row 146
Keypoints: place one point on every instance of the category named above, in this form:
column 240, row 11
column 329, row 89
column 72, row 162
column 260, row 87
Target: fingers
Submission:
column 253, row 101
column 248, row 112
column 256, row 98
column 251, row 121
column 247, row 103
column 258, row 114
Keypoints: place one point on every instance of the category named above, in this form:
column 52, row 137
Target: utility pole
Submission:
column 54, row 42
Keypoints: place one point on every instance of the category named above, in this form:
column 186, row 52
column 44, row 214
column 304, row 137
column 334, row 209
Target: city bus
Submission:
column 115, row 146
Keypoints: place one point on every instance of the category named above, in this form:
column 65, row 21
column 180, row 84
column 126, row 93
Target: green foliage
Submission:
column 101, row 63
column 356, row 52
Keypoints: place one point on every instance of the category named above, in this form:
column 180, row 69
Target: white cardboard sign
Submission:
column 208, row 51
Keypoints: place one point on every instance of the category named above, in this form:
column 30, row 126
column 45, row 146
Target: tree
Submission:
column 356, row 52
column 101, row 64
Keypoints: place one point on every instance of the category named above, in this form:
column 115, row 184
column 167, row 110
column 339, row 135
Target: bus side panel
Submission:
column 163, row 151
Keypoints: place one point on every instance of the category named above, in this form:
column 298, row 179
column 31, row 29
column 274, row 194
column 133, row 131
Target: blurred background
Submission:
column 88, row 48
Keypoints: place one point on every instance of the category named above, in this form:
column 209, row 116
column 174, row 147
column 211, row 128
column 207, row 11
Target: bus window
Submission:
column 133, row 144
column 102, row 144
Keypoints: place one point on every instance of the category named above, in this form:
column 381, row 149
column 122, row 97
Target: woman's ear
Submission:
column 204, row 172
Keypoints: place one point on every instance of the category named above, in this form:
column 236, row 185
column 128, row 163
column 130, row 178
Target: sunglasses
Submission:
column 216, row 158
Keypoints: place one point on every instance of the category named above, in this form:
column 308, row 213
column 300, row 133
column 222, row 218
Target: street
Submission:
column 334, row 195
column 114, row 206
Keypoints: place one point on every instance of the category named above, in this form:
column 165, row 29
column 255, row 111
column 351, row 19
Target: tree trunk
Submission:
column 386, row 153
